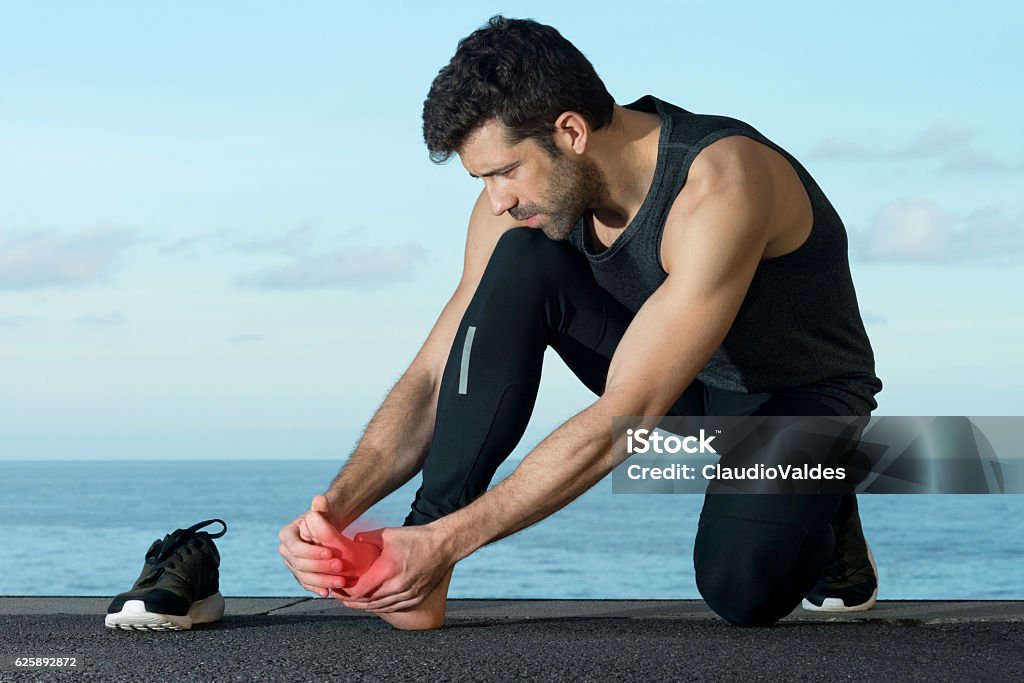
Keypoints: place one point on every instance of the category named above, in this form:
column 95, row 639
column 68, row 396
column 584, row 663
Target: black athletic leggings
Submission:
column 755, row 556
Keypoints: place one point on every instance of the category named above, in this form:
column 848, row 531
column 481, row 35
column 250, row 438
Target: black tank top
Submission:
column 798, row 331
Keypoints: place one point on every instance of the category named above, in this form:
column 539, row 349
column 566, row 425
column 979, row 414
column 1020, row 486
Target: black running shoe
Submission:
column 850, row 583
column 179, row 584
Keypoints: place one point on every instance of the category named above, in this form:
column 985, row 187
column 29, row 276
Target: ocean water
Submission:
column 82, row 528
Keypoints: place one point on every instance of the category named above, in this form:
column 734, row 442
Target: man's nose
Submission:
column 501, row 201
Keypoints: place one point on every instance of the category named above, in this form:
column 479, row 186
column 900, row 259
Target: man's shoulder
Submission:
column 732, row 178
column 729, row 160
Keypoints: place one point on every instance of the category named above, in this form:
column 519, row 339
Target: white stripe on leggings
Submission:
column 464, row 370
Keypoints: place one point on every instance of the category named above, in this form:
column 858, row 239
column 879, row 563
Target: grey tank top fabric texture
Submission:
column 799, row 330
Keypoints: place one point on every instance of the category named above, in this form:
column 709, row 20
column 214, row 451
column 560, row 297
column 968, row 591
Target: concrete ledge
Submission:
column 919, row 612
column 908, row 612
column 57, row 604
column 306, row 639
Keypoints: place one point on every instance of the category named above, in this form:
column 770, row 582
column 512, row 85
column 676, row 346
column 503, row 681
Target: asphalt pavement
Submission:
column 307, row 639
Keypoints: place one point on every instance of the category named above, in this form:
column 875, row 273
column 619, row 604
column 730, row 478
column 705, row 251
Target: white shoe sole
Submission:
column 837, row 605
column 133, row 616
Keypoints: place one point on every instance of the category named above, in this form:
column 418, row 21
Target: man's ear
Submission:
column 572, row 132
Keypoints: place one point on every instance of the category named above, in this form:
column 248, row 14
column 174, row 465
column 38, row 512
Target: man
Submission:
column 680, row 264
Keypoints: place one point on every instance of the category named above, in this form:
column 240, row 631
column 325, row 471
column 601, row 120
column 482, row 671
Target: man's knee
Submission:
column 524, row 268
column 746, row 588
column 516, row 238
column 528, row 250
column 741, row 604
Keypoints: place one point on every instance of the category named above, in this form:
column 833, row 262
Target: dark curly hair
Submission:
column 522, row 73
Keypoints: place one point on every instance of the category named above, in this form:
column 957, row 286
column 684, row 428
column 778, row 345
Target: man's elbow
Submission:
column 637, row 401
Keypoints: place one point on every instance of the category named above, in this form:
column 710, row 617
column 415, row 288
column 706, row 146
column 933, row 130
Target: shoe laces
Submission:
column 161, row 554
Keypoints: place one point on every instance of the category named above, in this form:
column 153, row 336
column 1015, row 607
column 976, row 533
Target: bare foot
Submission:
column 358, row 556
column 427, row 615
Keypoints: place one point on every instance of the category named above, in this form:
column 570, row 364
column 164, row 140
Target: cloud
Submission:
column 292, row 243
column 989, row 234
column 246, row 338
column 874, row 320
column 115, row 319
column 918, row 230
column 908, row 230
column 42, row 259
column 977, row 162
column 351, row 268
column 939, row 141
column 934, row 141
column 9, row 321
column 189, row 246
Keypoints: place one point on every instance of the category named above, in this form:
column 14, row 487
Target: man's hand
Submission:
column 315, row 564
column 413, row 561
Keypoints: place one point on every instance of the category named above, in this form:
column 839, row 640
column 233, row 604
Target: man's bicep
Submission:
column 685, row 320
column 665, row 346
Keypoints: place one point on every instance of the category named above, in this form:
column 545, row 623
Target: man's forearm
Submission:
column 561, row 468
column 392, row 448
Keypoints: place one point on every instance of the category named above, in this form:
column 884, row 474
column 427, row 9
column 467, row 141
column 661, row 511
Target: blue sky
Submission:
column 221, row 235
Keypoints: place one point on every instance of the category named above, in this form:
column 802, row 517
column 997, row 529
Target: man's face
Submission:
column 525, row 181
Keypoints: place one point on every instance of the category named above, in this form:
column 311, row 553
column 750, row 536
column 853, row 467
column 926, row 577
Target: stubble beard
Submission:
column 575, row 187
